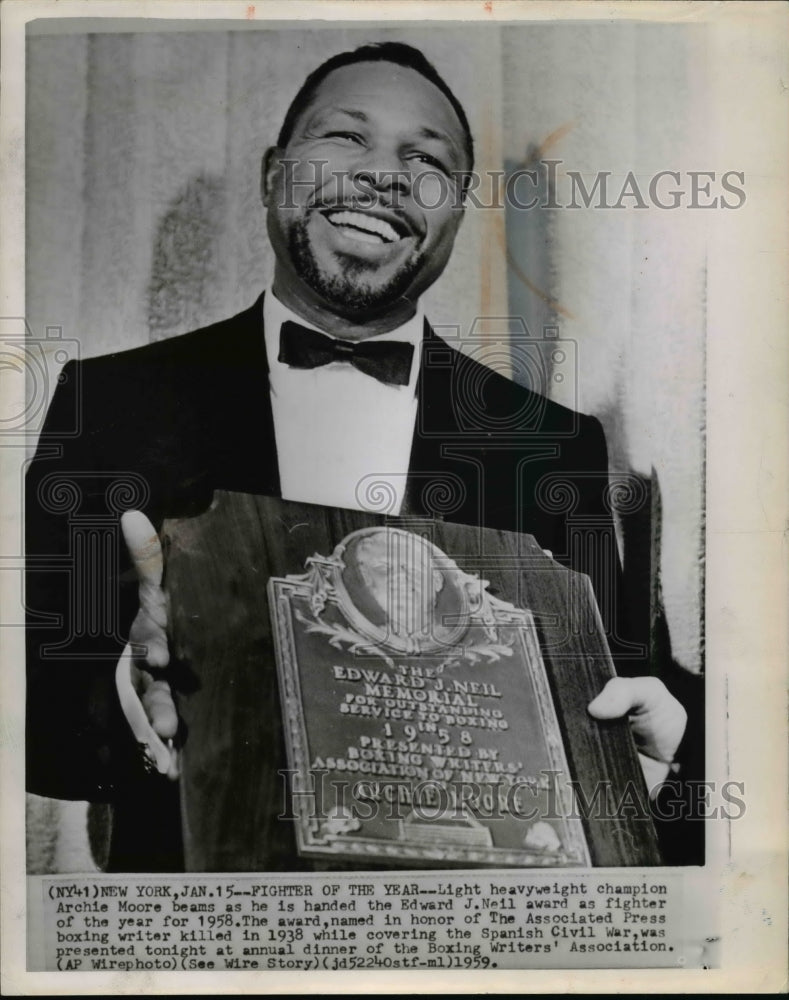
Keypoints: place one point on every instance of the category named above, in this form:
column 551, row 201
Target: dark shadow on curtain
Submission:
column 186, row 267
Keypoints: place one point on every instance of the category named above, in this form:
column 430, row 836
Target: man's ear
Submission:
column 268, row 168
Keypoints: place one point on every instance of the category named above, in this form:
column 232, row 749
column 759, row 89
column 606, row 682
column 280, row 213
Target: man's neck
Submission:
column 313, row 311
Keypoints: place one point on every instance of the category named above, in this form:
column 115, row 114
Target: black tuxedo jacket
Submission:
column 159, row 428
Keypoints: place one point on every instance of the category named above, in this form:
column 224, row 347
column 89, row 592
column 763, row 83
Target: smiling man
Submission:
column 369, row 147
column 331, row 389
column 364, row 199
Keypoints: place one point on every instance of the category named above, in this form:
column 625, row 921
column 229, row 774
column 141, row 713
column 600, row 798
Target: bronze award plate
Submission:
column 418, row 719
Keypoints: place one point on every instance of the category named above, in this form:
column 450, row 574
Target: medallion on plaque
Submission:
column 418, row 718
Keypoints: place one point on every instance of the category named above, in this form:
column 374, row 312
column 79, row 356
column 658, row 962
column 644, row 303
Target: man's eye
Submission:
column 431, row 161
column 350, row 136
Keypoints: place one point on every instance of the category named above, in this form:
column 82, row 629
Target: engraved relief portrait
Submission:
column 397, row 587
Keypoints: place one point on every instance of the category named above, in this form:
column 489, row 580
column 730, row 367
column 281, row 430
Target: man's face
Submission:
column 365, row 218
column 401, row 579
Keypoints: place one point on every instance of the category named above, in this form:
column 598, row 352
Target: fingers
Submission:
column 152, row 715
column 157, row 700
column 149, row 640
column 151, row 723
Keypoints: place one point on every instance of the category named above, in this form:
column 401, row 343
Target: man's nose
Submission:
column 383, row 172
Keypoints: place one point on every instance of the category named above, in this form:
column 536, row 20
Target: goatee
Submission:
column 351, row 292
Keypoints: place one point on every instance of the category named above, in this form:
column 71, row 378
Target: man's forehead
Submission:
column 364, row 88
column 377, row 542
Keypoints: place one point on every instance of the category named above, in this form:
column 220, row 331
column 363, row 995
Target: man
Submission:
column 327, row 390
column 402, row 583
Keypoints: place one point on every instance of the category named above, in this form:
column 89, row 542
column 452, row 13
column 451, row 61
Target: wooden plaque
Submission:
column 361, row 692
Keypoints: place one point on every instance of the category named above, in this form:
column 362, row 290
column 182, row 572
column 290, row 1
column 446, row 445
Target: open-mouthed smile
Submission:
column 366, row 227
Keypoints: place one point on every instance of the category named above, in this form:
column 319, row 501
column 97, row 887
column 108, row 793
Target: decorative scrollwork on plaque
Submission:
column 395, row 578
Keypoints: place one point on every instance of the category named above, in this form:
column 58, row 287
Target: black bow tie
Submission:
column 387, row 360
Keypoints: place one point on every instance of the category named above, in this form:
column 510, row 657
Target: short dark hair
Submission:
column 393, row 52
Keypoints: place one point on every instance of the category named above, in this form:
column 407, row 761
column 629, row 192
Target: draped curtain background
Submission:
column 144, row 221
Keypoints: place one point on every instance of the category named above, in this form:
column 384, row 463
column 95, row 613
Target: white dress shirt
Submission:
column 343, row 438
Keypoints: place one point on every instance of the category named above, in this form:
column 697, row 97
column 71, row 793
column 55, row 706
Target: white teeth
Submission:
column 366, row 223
column 357, row 234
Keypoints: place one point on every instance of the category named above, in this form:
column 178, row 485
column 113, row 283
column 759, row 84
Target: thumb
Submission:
column 627, row 696
column 144, row 547
column 142, row 541
column 657, row 719
column 148, row 629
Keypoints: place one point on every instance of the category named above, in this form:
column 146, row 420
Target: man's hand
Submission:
column 657, row 720
column 147, row 702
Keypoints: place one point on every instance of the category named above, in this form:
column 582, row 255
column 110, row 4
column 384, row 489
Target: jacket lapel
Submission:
column 269, row 457
column 435, row 426
column 247, row 445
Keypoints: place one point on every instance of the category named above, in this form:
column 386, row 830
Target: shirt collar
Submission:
column 275, row 314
